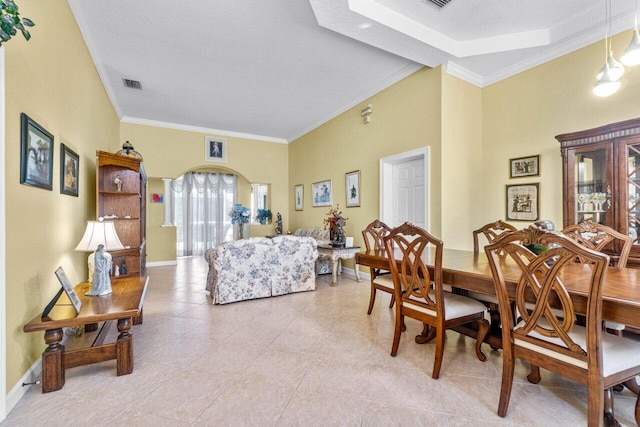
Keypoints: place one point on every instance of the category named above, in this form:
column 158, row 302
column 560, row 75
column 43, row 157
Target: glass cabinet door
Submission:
column 631, row 209
column 592, row 185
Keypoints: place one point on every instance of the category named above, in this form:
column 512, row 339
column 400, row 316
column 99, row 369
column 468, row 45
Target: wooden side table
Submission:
column 335, row 255
column 123, row 304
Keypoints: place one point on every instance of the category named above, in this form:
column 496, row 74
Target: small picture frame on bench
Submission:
column 66, row 285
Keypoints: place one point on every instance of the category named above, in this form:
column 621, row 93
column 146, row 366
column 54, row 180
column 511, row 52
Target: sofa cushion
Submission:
column 295, row 258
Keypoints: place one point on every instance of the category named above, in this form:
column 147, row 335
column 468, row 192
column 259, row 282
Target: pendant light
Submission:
column 631, row 56
column 608, row 78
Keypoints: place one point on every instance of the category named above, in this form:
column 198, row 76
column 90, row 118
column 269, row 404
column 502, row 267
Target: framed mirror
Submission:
column 260, row 203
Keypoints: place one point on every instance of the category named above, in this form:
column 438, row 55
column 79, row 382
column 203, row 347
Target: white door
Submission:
column 408, row 192
column 404, row 188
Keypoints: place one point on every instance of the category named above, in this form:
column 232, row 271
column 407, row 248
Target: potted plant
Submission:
column 10, row 22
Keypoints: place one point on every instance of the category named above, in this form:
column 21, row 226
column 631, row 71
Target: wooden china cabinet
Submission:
column 121, row 185
column 601, row 179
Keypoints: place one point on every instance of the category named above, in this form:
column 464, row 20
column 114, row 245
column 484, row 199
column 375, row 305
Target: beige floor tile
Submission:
column 311, row 358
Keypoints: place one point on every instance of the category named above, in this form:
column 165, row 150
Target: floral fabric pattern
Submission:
column 323, row 266
column 259, row 267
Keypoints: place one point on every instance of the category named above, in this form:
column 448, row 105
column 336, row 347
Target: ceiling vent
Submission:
column 132, row 84
column 438, row 3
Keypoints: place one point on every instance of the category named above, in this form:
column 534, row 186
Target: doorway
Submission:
column 404, row 188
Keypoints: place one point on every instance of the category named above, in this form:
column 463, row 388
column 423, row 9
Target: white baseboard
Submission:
column 161, row 263
column 364, row 277
column 18, row 390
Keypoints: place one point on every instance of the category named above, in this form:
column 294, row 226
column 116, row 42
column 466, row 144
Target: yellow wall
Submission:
column 161, row 241
column 522, row 114
column 405, row 116
column 52, row 79
column 168, row 153
column 461, row 161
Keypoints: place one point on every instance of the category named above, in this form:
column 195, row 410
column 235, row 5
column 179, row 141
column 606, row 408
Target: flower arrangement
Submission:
column 10, row 21
column 335, row 218
column 239, row 214
column 263, row 216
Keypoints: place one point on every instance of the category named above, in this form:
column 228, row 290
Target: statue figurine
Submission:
column 278, row 224
column 101, row 283
column 123, row 268
column 118, row 182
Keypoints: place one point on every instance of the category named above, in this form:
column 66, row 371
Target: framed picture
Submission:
column 321, row 193
column 524, row 166
column 36, row 154
column 522, row 202
column 298, row 192
column 352, row 180
column 66, row 285
column 157, row 198
column 69, row 171
column 215, row 149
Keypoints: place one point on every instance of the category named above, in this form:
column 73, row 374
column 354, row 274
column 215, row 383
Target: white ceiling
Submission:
column 276, row 69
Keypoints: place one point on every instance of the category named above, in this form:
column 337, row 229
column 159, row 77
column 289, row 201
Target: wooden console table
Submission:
column 335, row 255
column 124, row 304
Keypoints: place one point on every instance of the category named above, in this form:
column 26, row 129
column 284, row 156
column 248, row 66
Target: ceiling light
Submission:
column 364, row 25
column 606, row 85
column 608, row 78
column 631, row 56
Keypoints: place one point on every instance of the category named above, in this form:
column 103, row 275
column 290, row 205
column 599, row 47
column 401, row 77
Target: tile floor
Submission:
column 307, row 359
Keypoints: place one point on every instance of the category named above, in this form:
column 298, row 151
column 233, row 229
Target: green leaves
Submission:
column 10, row 21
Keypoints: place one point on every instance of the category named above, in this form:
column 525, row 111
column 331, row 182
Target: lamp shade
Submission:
column 631, row 56
column 100, row 233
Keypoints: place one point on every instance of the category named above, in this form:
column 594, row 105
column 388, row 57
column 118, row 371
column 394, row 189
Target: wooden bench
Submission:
column 124, row 304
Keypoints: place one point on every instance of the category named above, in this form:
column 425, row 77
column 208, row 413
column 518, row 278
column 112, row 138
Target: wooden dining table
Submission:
column 469, row 271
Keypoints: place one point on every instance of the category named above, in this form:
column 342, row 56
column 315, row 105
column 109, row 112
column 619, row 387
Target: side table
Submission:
column 335, row 255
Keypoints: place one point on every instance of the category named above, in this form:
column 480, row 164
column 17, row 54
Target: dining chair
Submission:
column 491, row 232
column 380, row 279
column 420, row 295
column 551, row 340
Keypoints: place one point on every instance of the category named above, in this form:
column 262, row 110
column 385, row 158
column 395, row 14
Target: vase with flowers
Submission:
column 240, row 217
column 263, row 216
column 336, row 223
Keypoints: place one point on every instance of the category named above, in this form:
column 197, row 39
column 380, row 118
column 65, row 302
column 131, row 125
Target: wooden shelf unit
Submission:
column 128, row 206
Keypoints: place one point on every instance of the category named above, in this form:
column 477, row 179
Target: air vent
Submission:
column 438, row 3
column 132, row 84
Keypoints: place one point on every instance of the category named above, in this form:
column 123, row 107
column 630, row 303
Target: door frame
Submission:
column 386, row 181
column 3, row 246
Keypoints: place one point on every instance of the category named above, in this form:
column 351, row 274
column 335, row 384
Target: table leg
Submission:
column 124, row 348
column 52, row 371
column 356, row 270
column 334, row 271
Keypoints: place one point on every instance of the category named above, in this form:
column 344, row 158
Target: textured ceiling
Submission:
column 276, row 69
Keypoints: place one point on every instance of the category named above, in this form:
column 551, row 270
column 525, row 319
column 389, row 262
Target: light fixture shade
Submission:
column 100, row 233
column 616, row 69
column 606, row 86
column 631, row 56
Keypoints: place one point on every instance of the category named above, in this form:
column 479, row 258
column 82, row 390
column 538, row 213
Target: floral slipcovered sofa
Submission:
column 260, row 267
column 322, row 237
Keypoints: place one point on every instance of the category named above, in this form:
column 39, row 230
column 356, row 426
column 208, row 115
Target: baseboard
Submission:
column 18, row 390
column 161, row 263
column 351, row 272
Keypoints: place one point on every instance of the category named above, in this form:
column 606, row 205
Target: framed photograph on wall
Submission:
column 298, row 192
column 522, row 202
column 524, row 166
column 69, row 171
column 215, row 149
column 352, row 181
column 36, row 154
column 321, row 193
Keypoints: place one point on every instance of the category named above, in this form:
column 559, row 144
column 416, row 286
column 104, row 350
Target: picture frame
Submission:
column 68, row 289
column 524, row 166
column 321, row 194
column 298, row 195
column 36, row 154
column 215, row 149
column 352, row 188
column 69, row 171
column 522, row 202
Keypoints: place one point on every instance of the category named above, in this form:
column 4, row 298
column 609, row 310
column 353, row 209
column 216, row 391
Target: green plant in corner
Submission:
column 10, row 21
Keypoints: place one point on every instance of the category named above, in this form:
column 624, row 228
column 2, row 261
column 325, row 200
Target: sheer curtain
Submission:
column 202, row 202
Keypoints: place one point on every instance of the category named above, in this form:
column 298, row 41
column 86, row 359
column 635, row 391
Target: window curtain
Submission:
column 202, row 202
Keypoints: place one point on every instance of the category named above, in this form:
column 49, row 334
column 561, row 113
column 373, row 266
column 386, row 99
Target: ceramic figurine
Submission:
column 101, row 284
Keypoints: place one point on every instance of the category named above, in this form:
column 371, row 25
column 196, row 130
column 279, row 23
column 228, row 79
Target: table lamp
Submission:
column 99, row 237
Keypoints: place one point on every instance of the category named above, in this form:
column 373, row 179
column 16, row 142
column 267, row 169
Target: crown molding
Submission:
column 462, row 73
column 189, row 128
